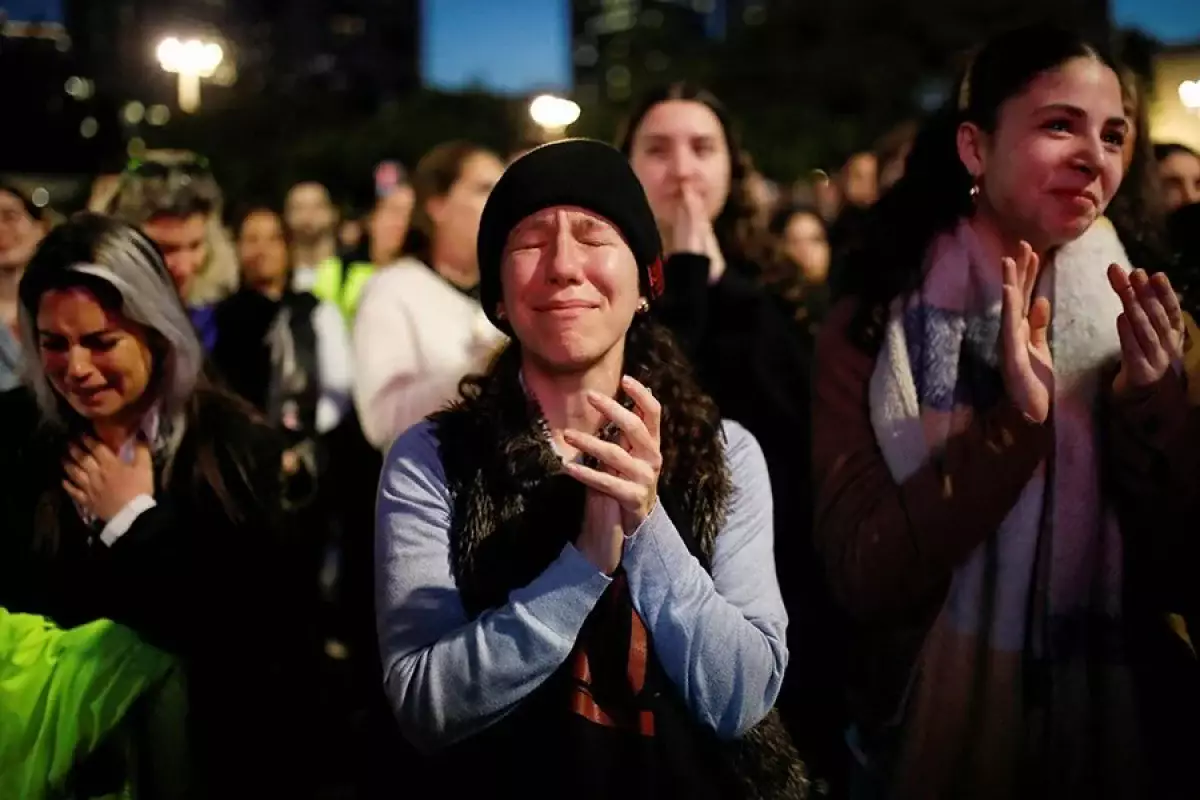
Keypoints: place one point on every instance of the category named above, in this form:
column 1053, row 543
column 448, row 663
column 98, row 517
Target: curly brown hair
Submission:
column 691, row 437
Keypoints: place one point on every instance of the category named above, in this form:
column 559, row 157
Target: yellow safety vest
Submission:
column 345, row 291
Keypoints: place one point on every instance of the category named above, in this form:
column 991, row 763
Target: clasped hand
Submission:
column 623, row 491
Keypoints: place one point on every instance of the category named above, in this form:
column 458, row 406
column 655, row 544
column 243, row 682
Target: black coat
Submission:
column 207, row 574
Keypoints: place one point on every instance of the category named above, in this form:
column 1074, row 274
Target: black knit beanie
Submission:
column 573, row 172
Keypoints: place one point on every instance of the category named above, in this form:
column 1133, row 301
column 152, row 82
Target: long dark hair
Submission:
column 435, row 175
column 125, row 272
column 935, row 192
column 735, row 224
column 691, row 424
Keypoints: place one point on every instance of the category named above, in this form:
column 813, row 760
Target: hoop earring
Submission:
column 500, row 312
column 975, row 191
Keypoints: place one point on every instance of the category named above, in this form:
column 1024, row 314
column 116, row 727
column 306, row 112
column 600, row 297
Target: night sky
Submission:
column 521, row 45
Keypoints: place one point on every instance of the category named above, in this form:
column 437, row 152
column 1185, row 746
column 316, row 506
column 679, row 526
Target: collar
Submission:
column 149, row 429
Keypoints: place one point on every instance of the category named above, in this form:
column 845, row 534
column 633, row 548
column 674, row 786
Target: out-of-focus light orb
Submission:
column 553, row 112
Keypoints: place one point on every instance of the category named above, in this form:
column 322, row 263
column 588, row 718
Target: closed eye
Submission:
column 53, row 344
column 101, row 344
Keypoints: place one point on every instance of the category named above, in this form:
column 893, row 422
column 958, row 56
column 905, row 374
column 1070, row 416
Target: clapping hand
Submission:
column 1028, row 366
column 622, row 493
column 1150, row 328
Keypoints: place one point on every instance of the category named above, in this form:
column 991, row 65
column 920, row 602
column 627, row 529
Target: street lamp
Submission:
column 191, row 60
column 553, row 115
column 1189, row 95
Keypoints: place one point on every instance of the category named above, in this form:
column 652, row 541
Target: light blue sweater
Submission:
column 719, row 639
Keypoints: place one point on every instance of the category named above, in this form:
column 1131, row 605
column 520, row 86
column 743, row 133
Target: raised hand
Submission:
column 1026, row 362
column 690, row 228
column 1150, row 328
column 100, row 482
column 692, row 232
column 631, row 467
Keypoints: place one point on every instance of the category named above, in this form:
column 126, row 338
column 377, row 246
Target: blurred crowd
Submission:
column 224, row 382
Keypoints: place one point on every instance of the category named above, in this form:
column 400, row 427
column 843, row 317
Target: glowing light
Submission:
column 1189, row 95
column 158, row 115
column 191, row 60
column 553, row 113
column 193, row 57
column 133, row 112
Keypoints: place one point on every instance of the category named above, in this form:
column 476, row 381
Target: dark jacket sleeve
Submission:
column 891, row 548
column 684, row 306
column 213, row 553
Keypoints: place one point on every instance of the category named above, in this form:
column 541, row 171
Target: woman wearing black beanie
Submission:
column 576, row 586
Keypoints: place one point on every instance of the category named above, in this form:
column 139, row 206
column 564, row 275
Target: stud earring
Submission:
column 500, row 312
column 643, row 305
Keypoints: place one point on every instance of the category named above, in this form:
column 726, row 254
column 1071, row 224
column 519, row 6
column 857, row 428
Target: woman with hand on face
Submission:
column 985, row 403
column 576, row 587
column 133, row 490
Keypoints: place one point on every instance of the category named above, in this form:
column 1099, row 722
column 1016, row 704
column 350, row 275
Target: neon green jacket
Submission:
column 342, row 284
column 62, row 692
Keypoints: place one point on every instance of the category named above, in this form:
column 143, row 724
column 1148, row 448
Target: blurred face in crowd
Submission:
column 98, row 361
column 388, row 224
column 1055, row 159
column 350, row 233
column 681, row 143
column 570, row 287
column 455, row 215
column 309, row 213
column 1180, row 175
column 19, row 232
column 184, row 246
column 860, row 180
column 262, row 250
column 805, row 244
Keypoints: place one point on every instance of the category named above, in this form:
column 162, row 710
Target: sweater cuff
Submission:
column 655, row 550
column 123, row 520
